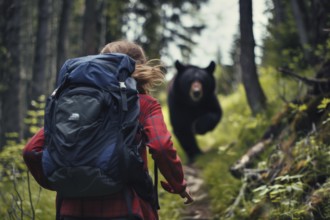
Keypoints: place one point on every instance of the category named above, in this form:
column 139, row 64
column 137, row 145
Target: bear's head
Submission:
column 193, row 83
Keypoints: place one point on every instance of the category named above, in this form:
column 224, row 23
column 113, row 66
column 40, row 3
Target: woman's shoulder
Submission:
column 148, row 103
column 145, row 98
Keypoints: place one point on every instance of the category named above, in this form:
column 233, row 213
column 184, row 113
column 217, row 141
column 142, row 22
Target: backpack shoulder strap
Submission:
column 157, row 206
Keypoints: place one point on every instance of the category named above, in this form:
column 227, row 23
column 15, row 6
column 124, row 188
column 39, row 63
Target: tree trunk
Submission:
column 37, row 85
column 63, row 34
column 299, row 18
column 115, row 11
column 279, row 13
column 89, row 34
column 318, row 28
column 255, row 95
column 10, row 103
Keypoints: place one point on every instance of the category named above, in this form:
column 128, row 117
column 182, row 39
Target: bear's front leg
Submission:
column 206, row 123
column 188, row 143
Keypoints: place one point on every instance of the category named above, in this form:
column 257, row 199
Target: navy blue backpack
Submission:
column 91, row 125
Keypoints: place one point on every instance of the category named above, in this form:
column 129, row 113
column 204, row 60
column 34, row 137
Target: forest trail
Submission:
column 200, row 208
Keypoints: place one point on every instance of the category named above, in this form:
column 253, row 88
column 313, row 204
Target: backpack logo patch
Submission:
column 74, row 117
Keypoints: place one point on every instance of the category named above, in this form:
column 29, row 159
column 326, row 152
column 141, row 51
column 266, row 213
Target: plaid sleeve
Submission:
column 160, row 143
column 32, row 154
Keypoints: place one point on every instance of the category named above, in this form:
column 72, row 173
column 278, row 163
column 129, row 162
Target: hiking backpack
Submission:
column 91, row 122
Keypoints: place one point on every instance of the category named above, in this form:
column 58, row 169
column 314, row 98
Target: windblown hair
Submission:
column 148, row 73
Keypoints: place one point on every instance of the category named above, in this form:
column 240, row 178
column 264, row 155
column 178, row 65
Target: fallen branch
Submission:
column 239, row 197
column 308, row 81
column 250, row 176
column 238, row 168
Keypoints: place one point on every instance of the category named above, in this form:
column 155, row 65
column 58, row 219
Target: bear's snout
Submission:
column 196, row 91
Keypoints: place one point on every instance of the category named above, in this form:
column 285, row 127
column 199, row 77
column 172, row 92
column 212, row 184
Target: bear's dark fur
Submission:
column 193, row 105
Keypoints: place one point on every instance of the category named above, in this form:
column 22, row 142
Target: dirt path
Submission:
column 200, row 209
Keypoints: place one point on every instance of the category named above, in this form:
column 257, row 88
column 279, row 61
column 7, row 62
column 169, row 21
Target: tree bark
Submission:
column 89, row 34
column 255, row 95
column 114, row 21
column 63, row 34
column 38, row 84
column 10, row 102
column 299, row 18
column 279, row 13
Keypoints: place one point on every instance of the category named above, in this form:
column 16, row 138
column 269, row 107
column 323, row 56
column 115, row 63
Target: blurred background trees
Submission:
column 39, row 35
column 298, row 33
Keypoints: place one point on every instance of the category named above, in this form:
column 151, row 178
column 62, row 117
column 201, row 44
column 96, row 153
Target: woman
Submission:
column 158, row 140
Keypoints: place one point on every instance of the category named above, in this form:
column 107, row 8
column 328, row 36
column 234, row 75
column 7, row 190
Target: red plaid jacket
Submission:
column 112, row 206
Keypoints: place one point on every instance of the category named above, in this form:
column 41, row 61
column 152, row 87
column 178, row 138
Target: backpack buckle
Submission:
column 122, row 85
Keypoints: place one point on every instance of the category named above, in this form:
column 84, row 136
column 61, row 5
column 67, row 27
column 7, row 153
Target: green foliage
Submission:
column 320, row 202
column 35, row 118
column 170, row 205
column 223, row 187
column 281, row 43
column 285, row 46
column 287, row 195
column 237, row 126
column 283, row 193
column 324, row 103
column 21, row 197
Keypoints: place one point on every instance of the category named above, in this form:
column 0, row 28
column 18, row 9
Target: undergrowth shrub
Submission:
column 20, row 195
column 235, row 134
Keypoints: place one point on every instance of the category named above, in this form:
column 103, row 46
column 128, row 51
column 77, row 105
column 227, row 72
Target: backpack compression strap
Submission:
column 123, row 90
column 157, row 206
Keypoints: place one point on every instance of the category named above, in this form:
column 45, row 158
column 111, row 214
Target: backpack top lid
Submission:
column 99, row 70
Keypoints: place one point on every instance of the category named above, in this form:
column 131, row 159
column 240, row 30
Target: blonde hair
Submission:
column 148, row 73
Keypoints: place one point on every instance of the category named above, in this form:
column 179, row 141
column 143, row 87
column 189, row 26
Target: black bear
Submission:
column 193, row 105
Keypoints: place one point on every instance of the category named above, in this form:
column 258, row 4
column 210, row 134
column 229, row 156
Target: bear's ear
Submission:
column 210, row 69
column 179, row 66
